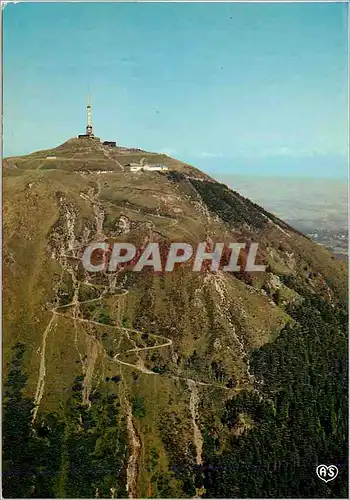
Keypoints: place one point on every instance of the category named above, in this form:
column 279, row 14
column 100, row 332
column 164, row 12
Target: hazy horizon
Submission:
column 313, row 203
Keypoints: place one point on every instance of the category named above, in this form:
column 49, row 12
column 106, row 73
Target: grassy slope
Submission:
column 198, row 314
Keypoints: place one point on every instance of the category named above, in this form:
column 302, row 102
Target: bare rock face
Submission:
column 123, row 225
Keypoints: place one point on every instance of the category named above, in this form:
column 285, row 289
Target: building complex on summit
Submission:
column 134, row 167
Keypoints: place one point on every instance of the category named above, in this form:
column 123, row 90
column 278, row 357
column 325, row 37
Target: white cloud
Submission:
column 206, row 154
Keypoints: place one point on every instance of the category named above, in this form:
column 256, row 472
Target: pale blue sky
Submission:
column 259, row 88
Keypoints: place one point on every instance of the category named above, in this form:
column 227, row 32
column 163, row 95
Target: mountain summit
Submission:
column 166, row 385
column 90, row 155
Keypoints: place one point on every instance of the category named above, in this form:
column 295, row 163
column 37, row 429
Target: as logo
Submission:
column 327, row 472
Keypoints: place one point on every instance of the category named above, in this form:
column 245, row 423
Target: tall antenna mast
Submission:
column 88, row 117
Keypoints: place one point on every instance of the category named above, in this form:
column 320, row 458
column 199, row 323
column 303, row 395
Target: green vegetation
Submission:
column 104, row 317
column 230, row 206
column 73, row 458
column 267, row 353
column 138, row 407
column 95, row 446
column 181, row 459
column 302, row 420
column 30, row 453
column 160, row 369
column 17, row 464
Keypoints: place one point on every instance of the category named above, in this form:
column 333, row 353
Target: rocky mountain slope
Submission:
column 169, row 385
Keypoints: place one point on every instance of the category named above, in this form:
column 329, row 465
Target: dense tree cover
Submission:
column 181, row 457
column 232, row 207
column 138, row 407
column 16, row 431
column 81, row 456
column 299, row 412
column 94, row 447
column 229, row 205
column 175, row 176
column 30, row 453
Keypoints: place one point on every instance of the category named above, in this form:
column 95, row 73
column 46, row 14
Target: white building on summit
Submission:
column 144, row 167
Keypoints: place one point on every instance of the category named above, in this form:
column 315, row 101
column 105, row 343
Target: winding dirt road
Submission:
column 67, row 244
